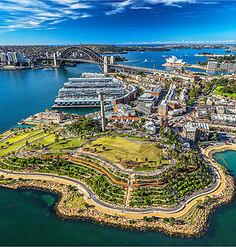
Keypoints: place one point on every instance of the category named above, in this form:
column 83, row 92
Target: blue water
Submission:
column 32, row 220
column 26, row 92
column 138, row 58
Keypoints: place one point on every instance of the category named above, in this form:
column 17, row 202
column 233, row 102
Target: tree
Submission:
column 171, row 221
column 165, row 220
column 215, row 136
column 145, row 218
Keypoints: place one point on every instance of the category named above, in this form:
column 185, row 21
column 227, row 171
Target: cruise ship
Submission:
column 82, row 92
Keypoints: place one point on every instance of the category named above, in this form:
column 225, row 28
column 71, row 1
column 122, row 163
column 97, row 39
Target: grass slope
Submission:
column 119, row 149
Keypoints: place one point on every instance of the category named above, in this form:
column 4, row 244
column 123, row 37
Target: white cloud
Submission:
column 119, row 7
column 39, row 14
column 80, row 6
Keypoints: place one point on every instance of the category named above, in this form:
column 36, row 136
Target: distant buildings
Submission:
column 196, row 131
column 150, row 127
column 11, row 58
column 223, row 117
column 124, row 110
column 148, row 100
column 215, row 65
column 172, row 107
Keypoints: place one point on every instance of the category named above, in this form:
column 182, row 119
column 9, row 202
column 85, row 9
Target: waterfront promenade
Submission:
column 101, row 206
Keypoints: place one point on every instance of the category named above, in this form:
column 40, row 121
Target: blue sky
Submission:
column 116, row 21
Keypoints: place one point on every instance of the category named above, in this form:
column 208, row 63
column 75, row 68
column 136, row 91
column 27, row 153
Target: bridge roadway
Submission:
column 149, row 70
column 92, row 199
column 124, row 67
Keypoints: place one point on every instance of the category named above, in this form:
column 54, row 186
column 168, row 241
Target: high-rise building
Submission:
column 18, row 57
column 3, row 58
column 10, row 58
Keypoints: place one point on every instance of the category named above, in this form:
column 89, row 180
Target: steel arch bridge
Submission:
column 93, row 56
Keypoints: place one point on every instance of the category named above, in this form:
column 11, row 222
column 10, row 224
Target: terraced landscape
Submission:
column 127, row 152
column 105, row 170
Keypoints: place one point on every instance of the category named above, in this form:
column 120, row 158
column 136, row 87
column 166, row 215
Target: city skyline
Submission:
column 117, row 22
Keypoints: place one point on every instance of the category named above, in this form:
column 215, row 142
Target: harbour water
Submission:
column 32, row 219
column 148, row 59
column 26, row 92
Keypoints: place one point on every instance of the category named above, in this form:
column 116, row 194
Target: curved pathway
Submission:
column 115, row 166
column 137, row 142
column 92, row 199
column 8, row 136
column 19, row 150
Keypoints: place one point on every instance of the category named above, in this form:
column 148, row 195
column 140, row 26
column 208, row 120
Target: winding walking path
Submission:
column 92, row 199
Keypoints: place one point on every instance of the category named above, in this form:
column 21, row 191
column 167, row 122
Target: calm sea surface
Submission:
column 32, row 220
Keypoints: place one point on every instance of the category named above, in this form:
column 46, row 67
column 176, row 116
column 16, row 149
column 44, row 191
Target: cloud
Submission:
column 40, row 14
column 118, row 7
column 80, row 6
column 123, row 5
column 43, row 14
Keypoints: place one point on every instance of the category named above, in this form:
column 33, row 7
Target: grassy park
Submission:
column 70, row 144
column 17, row 137
column 118, row 149
column 19, row 140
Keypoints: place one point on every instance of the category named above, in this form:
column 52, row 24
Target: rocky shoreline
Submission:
column 72, row 205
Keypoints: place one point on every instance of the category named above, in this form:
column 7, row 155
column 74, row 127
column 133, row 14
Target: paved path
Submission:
column 137, row 142
column 92, row 199
column 19, row 150
column 9, row 136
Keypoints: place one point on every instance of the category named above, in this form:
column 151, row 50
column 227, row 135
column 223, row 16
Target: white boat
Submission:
column 21, row 122
column 145, row 60
column 47, row 69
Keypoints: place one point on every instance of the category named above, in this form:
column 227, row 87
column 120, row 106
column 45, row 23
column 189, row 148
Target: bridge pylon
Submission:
column 55, row 62
column 105, row 65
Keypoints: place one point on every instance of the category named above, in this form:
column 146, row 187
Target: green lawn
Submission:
column 217, row 91
column 5, row 134
column 46, row 141
column 21, row 137
column 70, row 144
column 119, row 149
column 139, row 139
column 13, row 147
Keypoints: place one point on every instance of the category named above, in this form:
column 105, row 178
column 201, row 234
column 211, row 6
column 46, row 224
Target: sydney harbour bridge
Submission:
column 106, row 63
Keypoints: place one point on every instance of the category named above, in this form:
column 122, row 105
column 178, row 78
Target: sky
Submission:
column 61, row 22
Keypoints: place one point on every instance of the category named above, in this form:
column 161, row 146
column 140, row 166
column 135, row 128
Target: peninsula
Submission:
column 130, row 180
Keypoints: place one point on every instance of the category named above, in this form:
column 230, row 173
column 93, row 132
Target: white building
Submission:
column 10, row 58
column 224, row 117
column 175, row 60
